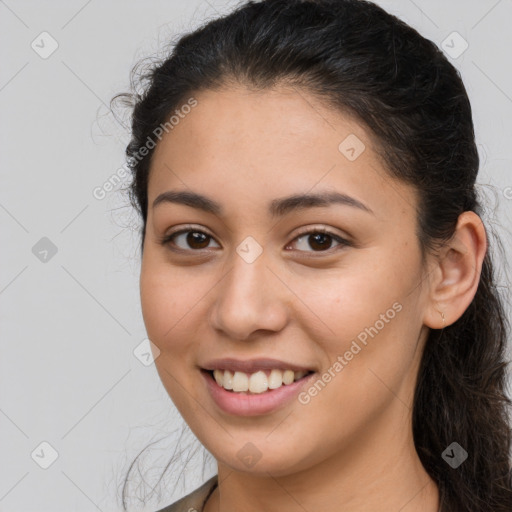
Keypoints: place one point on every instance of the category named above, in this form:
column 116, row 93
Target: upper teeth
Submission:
column 257, row 382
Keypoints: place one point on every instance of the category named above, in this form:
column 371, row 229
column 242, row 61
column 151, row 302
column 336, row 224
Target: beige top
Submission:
column 193, row 502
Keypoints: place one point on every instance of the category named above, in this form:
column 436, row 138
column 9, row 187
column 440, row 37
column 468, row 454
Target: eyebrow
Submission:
column 277, row 207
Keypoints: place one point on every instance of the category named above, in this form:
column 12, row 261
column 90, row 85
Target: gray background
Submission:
column 70, row 321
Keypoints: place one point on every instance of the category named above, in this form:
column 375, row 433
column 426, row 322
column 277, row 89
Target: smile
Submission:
column 249, row 403
column 258, row 382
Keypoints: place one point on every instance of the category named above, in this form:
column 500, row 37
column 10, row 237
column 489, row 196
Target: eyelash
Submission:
column 167, row 239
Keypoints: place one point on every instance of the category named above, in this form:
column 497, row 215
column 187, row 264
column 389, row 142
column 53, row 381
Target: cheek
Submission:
column 167, row 300
column 158, row 304
column 367, row 315
column 342, row 303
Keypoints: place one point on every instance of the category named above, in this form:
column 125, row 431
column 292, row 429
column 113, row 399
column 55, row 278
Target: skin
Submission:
column 351, row 447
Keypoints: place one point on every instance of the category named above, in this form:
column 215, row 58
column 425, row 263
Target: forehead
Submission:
column 271, row 123
column 257, row 145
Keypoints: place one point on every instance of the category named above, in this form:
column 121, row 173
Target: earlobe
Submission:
column 457, row 275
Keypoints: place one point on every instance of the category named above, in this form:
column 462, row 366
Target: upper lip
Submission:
column 252, row 365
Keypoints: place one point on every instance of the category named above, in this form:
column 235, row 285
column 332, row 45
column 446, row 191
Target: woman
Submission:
column 315, row 272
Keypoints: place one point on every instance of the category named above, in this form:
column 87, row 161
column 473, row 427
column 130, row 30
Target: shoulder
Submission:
column 194, row 501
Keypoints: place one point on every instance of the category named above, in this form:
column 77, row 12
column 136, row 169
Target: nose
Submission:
column 249, row 299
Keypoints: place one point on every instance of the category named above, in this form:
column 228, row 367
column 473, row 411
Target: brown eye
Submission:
column 319, row 241
column 189, row 239
column 197, row 239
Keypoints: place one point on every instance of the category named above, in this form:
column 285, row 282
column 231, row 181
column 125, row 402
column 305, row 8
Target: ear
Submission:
column 456, row 273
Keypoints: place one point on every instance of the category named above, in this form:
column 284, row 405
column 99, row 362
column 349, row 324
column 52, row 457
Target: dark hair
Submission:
column 358, row 58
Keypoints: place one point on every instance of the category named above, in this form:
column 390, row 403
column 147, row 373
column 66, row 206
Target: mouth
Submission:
column 262, row 381
column 262, row 392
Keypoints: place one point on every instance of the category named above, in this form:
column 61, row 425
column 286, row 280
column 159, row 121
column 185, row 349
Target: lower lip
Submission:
column 255, row 404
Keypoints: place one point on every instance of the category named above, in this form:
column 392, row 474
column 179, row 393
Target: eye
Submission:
column 194, row 238
column 320, row 240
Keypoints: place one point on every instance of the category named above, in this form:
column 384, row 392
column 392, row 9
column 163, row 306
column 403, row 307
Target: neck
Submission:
column 380, row 470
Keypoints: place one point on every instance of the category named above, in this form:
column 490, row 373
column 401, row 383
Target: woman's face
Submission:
column 247, row 282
